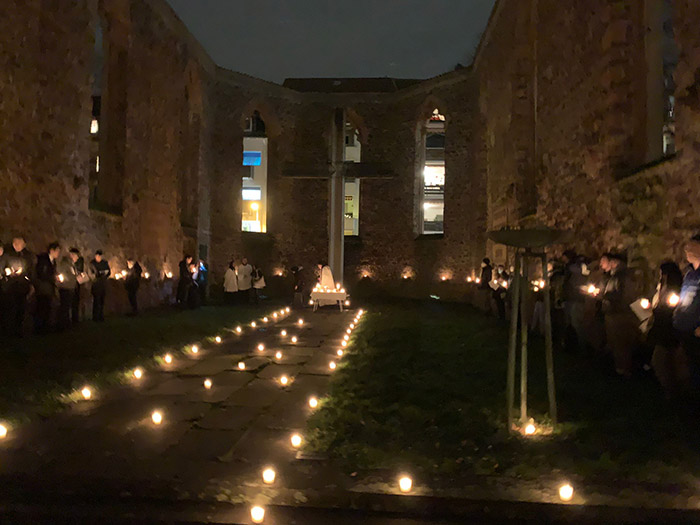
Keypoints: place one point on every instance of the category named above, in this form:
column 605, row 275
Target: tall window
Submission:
column 254, row 192
column 434, row 175
column 97, row 76
column 670, row 58
column 352, row 153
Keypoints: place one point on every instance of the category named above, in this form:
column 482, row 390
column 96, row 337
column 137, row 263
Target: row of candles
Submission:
column 268, row 473
column 672, row 300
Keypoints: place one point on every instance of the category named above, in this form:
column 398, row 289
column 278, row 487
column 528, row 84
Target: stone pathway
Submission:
column 213, row 442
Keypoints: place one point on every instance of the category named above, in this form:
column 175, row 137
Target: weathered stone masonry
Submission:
column 549, row 125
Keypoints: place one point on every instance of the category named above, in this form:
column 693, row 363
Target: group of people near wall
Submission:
column 192, row 283
column 52, row 282
column 243, row 282
column 610, row 309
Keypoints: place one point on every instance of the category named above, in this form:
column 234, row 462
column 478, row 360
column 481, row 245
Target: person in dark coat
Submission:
column 500, row 293
column 299, row 287
column 484, row 286
column 45, row 280
column 686, row 317
column 668, row 360
column 100, row 272
column 192, row 294
column 574, row 300
column 67, row 284
column 132, row 281
column 185, row 277
column 81, row 277
column 17, row 266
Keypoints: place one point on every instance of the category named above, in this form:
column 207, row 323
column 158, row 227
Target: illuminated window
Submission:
column 254, row 176
column 433, row 209
column 670, row 61
column 352, row 153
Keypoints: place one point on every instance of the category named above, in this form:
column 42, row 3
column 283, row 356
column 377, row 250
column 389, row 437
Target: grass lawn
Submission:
column 423, row 387
column 36, row 371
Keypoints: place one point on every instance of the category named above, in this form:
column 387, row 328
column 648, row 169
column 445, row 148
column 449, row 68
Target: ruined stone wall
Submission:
column 45, row 115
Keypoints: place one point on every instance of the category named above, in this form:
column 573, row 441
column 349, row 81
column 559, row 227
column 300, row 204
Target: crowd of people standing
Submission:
column 243, row 282
column 606, row 308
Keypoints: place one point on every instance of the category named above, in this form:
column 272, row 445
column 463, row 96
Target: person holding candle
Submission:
column 67, row 284
column 100, row 272
column 132, row 281
column 686, row 317
column 17, row 267
column 46, row 279
column 574, row 300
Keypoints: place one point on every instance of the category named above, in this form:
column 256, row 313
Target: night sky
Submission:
column 277, row 39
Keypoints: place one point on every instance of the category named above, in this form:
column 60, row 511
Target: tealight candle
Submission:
column 217, row 339
column 274, row 316
column 157, row 417
column 169, row 275
column 86, row 392
column 405, row 484
column 311, row 302
column 349, row 331
column 352, row 325
column 530, row 429
column 168, row 358
column 239, row 329
column 269, row 475
column 265, row 320
column 146, row 275
column 566, row 492
column 340, row 353
column 673, row 300
column 644, row 303
column 138, row 372
column 61, row 278
column 283, row 333
column 253, row 325
column 241, row 365
column 3, row 433
column 346, row 337
column 257, row 514
column 195, row 349
column 344, row 343
column 313, row 402
column 278, row 355
column 207, row 384
column 284, row 380
column 294, row 339
column 287, row 309
column 296, row 440
column 301, row 322
column 332, row 365
column 347, row 303
column 261, row 347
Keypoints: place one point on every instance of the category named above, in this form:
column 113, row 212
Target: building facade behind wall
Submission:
column 577, row 115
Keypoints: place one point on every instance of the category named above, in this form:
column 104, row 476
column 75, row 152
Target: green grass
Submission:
column 423, row 386
column 38, row 371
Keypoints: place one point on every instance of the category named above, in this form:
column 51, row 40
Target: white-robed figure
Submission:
column 327, row 282
column 230, row 283
column 245, row 279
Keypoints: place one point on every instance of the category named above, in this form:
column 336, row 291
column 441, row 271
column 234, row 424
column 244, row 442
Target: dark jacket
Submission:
column 619, row 292
column 661, row 332
column 100, row 272
column 298, row 282
column 132, row 281
column 486, row 276
column 21, row 268
column 686, row 317
column 45, row 275
column 67, row 270
column 574, row 282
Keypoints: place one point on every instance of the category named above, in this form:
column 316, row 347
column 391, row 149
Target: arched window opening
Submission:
column 254, row 187
column 434, row 175
column 352, row 152
column 97, row 75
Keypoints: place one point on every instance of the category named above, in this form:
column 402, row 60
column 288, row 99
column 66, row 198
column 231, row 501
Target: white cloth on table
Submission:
column 245, row 277
column 230, row 281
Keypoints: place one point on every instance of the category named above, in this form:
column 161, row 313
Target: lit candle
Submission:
column 405, row 484
column 296, row 440
column 278, row 355
column 265, row 320
column 284, row 380
column 469, row 279
column 311, row 302
column 352, row 325
column 8, row 271
column 566, row 492
column 169, row 275
column 253, row 325
column 287, row 309
column 673, row 300
column 294, row 339
column 86, row 392
column 3, row 433
column 274, row 316
column 347, row 303
column 157, row 417
column 349, row 331
column 60, row 278
column 239, row 329
column 168, row 358
column 261, row 347
column 644, row 303
column 241, row 365
column 257, row 514
column 269, row 475
column 346, row 337
column 332, row 365
column 283, row 333
column 146, row 275
column 344, row 343
column 340, row 352
column 313, row 402
column 207, row 384
column 138, row 372
column 592, row 289
column 195, row 349
column 217, row 339
column 530, row 429
column 477, row 280
column 301, row 322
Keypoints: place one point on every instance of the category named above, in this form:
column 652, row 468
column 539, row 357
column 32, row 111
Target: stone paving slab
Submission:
column 259, row 393
column 274, row 371
column 177, row 386
column 228, row 418
column 289, row 412
column 203, row 444
column 208, row 367
column 235, row 378
column 302, row 351
column 252, row 363
column 319, row 364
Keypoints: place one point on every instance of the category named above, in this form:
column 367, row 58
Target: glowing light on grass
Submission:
column 4, row 431
column 138, row 372
column 168, row 358
column 86, row 392
column 218, row 339
column 405, row 484
column 346, row 337
column 195, row 349
column 269, row 475
column 332, row 365
column 344, row 343
column 294, row 339
column 313, row 402
column 241, row 365
column 257, row 514
column 207, row 384
column 157, row 417
column 352, row 325
column 349, row 330
column 284, row 380
column 296, row 440
column 340, row 352
column 566, row 492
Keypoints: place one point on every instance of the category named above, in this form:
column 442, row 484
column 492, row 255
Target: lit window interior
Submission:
column 352, row 153
column 434, row 175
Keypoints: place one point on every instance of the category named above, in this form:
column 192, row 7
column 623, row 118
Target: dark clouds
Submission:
column 276, row 39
